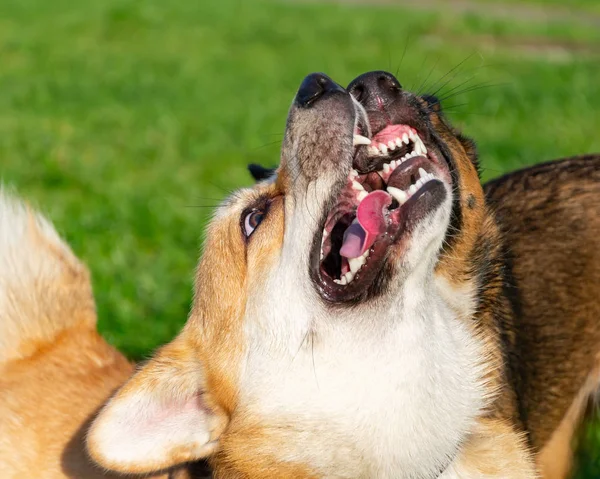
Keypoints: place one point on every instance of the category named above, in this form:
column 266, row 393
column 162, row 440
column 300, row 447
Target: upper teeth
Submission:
column 401, row 196
column 378, row 149
column 361, row 140
column 387, row 169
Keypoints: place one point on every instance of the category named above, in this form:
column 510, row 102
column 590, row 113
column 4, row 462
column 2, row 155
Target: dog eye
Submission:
column 252, row 220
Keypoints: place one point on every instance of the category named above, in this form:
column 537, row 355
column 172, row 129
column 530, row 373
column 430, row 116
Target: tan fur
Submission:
column 556, row 458
column 47, row 398
column 496, row 450
column 55, row 370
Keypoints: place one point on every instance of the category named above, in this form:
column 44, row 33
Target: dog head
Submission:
column 327, row 335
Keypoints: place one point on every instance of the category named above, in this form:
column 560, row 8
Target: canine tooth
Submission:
column 343, row 280
column 391, row 145
column 362, row 195
column 386, row 168
column 365, row 255
column 373, row 150
column 337, row 281
column 360, row 140
column 422, row 173
column 398, row 194
column 383, row 148
column 405, row 138
column 353, row 173
column 357, row 186
column 420, row 147
column 349, row 276
column 355, row 264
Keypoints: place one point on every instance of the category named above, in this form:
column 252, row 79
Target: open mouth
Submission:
column 377, row 208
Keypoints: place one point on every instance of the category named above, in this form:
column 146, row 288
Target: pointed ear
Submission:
column 160, row 418
column 259, row 172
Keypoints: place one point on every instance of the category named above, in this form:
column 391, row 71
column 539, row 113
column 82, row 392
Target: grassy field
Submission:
column 125, row 121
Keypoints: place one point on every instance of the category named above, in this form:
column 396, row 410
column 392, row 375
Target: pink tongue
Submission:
column 369, row 223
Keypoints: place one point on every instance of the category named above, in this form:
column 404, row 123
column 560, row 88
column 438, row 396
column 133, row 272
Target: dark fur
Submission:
column 549, row 219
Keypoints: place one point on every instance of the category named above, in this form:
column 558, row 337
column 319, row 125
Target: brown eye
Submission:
column 251, row 221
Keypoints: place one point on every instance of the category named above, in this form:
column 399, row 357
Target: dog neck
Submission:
column 392, row 386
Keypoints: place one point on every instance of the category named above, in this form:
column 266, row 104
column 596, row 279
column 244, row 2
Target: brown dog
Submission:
column 369, row 311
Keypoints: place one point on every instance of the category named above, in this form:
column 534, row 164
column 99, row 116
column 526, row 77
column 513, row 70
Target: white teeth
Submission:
column 391, row 145
column 386, row 168
column 357, row 186
column 362, row 195
column 422, row 173
column 356, row 263
column 399, row 142
column 383, row 148
column 420, row 147
column 361, row 140
column 373, row 150
column 413, row 189
column 400, row 195
column 394, row 164
column 405, row 138
column 353, row 173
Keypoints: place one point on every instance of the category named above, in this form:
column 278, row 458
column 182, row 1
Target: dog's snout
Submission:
column 375, row 88
column 315, row 87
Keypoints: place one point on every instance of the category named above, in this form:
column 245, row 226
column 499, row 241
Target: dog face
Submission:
column 327, row 335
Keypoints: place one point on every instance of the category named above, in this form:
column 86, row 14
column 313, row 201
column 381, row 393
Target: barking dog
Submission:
column 367, row 312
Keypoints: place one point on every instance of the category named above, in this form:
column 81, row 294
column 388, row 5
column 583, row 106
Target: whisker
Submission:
column 420, row 89
column 403, row 53
column 449, row 72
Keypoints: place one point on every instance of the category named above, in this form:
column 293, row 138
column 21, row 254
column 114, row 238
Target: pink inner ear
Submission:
column 176, row 414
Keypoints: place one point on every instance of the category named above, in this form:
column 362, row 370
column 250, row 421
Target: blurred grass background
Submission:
column 126, row 121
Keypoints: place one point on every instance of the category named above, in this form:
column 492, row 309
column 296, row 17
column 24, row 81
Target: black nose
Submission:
column 314, row 87
column 374, row 86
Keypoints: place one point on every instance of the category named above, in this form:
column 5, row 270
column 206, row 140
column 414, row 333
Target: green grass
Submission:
column 125, row 121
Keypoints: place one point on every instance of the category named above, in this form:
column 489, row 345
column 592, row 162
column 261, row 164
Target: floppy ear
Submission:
column 160, row 418
column 259, row 172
